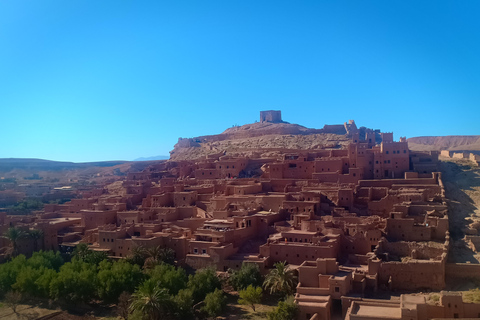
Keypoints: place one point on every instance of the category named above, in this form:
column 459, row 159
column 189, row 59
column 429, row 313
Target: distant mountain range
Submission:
column 41, row 164
column 451, row 143
column 152, row 158
column 35, row 165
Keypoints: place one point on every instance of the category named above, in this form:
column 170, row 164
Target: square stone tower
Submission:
column 274, row 116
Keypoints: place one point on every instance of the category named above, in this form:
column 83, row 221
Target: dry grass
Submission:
column 236, row 311
column 472, row 296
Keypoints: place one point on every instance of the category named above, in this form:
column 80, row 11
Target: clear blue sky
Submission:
column 89, row 80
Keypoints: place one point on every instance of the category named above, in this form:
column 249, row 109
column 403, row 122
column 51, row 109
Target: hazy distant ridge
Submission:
column 41, row 164
column 152, row 158
column 453, row 143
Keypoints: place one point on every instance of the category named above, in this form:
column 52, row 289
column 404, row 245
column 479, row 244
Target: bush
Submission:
column 214, row 303
column 249, row 274
column 203, row 282
column 286, row 310
column 250, row 296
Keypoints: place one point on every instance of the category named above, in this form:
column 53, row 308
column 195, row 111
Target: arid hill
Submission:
column 39, row 170
column 262, row 139
column 452, row 143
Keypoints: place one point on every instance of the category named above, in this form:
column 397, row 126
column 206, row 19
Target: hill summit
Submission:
column 271, row 135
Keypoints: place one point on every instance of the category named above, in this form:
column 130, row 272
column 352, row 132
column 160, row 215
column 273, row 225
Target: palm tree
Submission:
column 36, row 235
column 157, row 255
column 137, row 256
column 167, row 255
column 14, row 234
column 281, row 280
column 151, row 301
column 81, row 251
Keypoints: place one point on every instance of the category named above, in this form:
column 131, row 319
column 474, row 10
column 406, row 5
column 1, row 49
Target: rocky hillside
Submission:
column 261, row 139
column 453, row 143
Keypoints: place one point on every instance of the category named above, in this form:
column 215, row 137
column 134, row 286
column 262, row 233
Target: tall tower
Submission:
column 274, row 116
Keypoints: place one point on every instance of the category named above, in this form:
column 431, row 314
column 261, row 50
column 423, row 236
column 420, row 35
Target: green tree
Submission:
column 203, row 282
column 114, row 278
column 214, row 303
column 184, row 304
column 76, row 282
column 26, row 281
column 250, row 296
column 46, row 259
column 43, row 283
column 281, row 280
column 36, row 235
column 249, row 274
column 286, row 310
column 151, row 301
column 9, row 272
column 27, row 206
column 14, row 234
column 169, row 277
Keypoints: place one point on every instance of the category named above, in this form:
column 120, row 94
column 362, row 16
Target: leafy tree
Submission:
column 9, row 272
column 203, row 282
column 214, row 303
column 169, row 277
column 27, row 206
column 151, row 301
column 184, row 304
column 281, row 280
column 286, row 310
column 76, row 282
column 249, row 274
column 35, row 235
column 14, row 234
column 250, row 296
column 43, row 282
column 114, row 278
column 46, row 259
column 26, row 280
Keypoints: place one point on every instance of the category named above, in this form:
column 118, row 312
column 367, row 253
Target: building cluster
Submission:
column 353, row 222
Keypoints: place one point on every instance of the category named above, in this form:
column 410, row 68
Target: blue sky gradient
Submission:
column 117, row 80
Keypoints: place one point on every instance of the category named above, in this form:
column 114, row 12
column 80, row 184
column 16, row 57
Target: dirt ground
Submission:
column 461, row 180
column 42, row 312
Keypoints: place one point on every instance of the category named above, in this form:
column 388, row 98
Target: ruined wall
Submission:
column 463, row 270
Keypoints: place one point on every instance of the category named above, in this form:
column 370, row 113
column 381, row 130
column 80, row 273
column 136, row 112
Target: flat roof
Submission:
column 379, row 311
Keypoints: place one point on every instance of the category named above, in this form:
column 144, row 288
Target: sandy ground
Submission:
column 462, row 189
